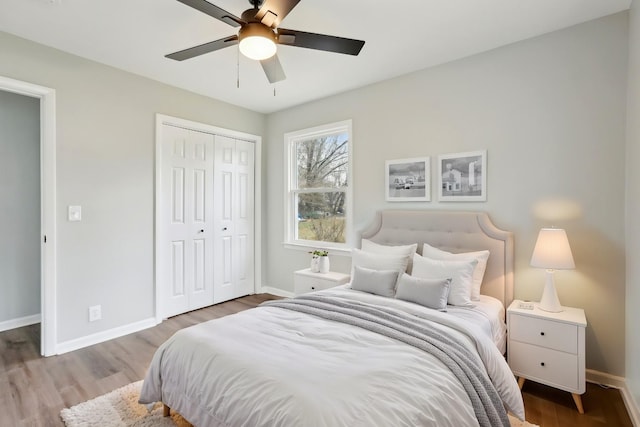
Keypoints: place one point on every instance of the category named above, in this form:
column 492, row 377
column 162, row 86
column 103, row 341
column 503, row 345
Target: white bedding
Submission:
column 275, row 367
column 489, row 313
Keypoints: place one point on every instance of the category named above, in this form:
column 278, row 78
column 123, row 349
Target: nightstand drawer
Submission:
column 555, row 368
column 305, row 281
column 306, row 284
column 544, row 333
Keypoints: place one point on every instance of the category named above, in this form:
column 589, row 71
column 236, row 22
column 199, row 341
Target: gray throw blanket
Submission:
column 416, row 332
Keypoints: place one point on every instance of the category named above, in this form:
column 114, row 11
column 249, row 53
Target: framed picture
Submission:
column 408, row 180
column 462, row 177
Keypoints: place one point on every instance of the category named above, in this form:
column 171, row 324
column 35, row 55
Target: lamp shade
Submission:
column 552, row 250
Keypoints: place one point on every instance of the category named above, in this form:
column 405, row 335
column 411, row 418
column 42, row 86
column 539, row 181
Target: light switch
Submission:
column 75, row 213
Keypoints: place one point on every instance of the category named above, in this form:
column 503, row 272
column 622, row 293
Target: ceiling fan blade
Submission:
column 319, row 41
column 203, row 48
column 273, row 69
column 214, row 11
column 273, row 12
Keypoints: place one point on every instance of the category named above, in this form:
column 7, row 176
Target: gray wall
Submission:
column 633, row 207
column 551, row 113
column 105, row 163
column 19, row 206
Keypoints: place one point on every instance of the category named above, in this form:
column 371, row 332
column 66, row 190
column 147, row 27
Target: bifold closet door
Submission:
column 234, row 238
column 186, row 247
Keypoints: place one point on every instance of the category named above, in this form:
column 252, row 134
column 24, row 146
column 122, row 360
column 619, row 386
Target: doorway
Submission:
column 47, row 231
column 20, row 212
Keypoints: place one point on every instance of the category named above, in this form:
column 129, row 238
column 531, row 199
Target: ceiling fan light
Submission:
column 257, row 41
column 257, row 47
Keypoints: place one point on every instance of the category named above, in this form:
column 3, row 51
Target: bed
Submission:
column 353, row 356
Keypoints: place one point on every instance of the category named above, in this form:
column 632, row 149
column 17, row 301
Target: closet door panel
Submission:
column 234, row 218
column 186, row 240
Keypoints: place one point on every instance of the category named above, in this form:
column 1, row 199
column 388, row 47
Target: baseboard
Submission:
column 620, row 383
column 276, row 291
column 19, row 322
column 603, row 378
column 78, row 343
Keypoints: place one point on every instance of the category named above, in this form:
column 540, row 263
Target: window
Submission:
column 318, row 211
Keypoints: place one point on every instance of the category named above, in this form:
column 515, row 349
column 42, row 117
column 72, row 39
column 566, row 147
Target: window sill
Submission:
column 343, row 251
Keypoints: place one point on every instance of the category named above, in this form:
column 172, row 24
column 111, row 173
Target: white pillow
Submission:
column 478, row 274
column 379, row 282
column 375, row 261
column 405, row 250
column 460, row 272
column 427, row 292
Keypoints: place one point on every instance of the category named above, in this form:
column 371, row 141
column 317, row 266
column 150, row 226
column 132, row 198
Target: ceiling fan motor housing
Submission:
column 249, row 15
column 256, row 29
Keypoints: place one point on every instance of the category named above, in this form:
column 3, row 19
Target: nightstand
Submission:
column 306, row 281
column 548, row 347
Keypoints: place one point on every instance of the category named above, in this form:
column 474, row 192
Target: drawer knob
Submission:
column 541, row 363
column 542, row 333
column 313, row 287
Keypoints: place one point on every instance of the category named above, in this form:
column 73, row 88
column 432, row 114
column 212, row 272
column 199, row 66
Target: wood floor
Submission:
column 34, row 389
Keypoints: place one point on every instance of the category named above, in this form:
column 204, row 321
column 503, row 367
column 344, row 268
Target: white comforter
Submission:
column 275, row 367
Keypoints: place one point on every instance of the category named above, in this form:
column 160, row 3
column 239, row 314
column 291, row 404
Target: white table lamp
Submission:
column 552, row 252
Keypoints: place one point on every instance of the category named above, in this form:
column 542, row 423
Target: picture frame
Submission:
column 408, row 180
column 462, row 177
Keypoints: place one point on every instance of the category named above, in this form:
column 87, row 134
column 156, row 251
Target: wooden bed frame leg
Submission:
column 521, row 381
column 166, row 411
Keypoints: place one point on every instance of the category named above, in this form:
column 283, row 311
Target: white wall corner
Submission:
column 89, row 340
column 276, row 291
column 620, row 383
column 632, row 405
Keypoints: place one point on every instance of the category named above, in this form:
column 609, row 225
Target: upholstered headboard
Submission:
column 453, row 231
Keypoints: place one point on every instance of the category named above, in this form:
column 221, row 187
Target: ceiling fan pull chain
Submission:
column 238, row 69
column 274, row 90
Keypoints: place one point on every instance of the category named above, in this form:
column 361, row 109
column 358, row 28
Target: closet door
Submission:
column 185, row 247
column 233, row 218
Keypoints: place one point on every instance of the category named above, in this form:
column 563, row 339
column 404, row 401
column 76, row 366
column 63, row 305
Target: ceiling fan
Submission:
column 259, row 35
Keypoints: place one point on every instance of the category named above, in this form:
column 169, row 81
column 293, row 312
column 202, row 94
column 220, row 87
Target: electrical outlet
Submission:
column 95, row 313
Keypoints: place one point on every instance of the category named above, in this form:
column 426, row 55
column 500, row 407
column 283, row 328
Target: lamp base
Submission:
column 549, row 301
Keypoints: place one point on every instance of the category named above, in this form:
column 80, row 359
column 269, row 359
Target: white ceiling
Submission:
column 401, row 37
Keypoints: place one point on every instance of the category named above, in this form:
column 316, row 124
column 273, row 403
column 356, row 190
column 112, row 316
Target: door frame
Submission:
column 162, row 119
column 48, row 285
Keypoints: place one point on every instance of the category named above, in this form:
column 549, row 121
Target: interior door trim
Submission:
column 48, row 284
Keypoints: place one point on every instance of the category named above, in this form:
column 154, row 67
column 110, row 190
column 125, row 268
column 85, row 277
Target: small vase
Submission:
column 323, row 264
column 315, row 264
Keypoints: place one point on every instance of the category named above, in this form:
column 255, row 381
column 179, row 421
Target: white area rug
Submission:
column 120, row 408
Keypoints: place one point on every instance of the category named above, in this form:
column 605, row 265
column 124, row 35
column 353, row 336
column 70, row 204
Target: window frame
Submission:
column 291, row 190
